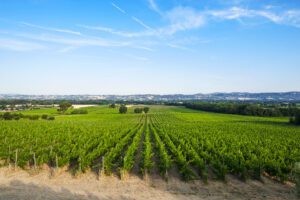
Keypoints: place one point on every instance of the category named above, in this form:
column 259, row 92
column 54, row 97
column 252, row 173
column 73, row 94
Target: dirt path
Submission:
column 15, row 185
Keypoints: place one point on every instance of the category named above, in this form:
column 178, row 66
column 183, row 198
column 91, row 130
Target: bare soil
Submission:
column 44, row 185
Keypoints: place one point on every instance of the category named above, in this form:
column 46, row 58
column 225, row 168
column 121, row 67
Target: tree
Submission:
column 64, row 106
column 12, row 107
column 146, row 109
column 7, row 116
column 113, row 105
column 2, row 107
column 123, row 109
column 296, row 119
column 138, row 110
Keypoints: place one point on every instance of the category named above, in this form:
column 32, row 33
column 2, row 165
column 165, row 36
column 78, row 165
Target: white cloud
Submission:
column 292, row 17
column 135, row 19
column 75, row 42
column 143, row 47
column 175, row 46
column 153, row 6
column 118, row 8
column 51, row 29
column 67, row 49
column 140, row 22
column 287, row 17
column 182, row 19
column 17, row 45
column 112, row 31
column 137, row 57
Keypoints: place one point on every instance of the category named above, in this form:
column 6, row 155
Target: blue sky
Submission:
column 149, row 46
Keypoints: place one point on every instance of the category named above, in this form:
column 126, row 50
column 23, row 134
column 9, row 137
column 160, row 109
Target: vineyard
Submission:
column 171, row 141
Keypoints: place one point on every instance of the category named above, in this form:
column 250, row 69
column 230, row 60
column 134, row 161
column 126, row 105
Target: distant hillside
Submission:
column 234, row 96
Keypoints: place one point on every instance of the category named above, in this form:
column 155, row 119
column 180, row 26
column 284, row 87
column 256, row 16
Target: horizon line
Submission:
column 158, row 94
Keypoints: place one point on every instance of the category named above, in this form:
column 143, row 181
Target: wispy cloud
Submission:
column 143, row 48
column 75, row 42
column 140, row 22
column 135, row 19
column 286, row 17
column 118, row 8
column 137, row 57
column 180, row 19
column 153, row 6
column 67, row 49
column 111, row 31
column 17, row 45
column 179, row 47
column 184, row 18
column 51, row 29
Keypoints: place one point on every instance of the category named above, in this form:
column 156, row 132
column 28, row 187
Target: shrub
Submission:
column 138, row 110
column 296, row 119
column 146, row 109
column 7, row 116
column 64, row 106
column 17, row 117
column 79, row 111
column 34, row 117
column 45, row 117
column 123, row 109
column 51, row 118
column 113, row 105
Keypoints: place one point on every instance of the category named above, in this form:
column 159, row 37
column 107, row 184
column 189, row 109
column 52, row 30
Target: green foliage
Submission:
column 33, row 117
column 117, row 151
column 64, row 106
column 113, row 105
column 164, row 159
column 51, row 118
column 123, row 109
column 128, row 160
column 11, row 116
column 147, row 163
column 2, row 107
column 44, row 116
column 7, row 116
column 79, row 112
column 193, row 142
column 146, row 109
column 295, row 119
column 138, row 110
column 243, row 109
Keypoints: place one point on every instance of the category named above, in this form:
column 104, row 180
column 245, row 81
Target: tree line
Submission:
column 248, row 109
column 243, row 109
column 123, row 109
column 18, row 116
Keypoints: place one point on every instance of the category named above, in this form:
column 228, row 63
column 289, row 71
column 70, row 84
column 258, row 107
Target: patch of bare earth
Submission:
column 44, row 185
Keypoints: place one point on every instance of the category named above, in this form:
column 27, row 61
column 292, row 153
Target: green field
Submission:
column 192, row 144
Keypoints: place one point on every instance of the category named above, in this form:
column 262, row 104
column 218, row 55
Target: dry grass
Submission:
column 61, row 185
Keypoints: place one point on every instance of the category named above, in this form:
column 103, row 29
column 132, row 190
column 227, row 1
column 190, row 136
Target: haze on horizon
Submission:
column 149, row 46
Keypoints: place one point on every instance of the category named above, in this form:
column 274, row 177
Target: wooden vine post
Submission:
column 16, row 159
